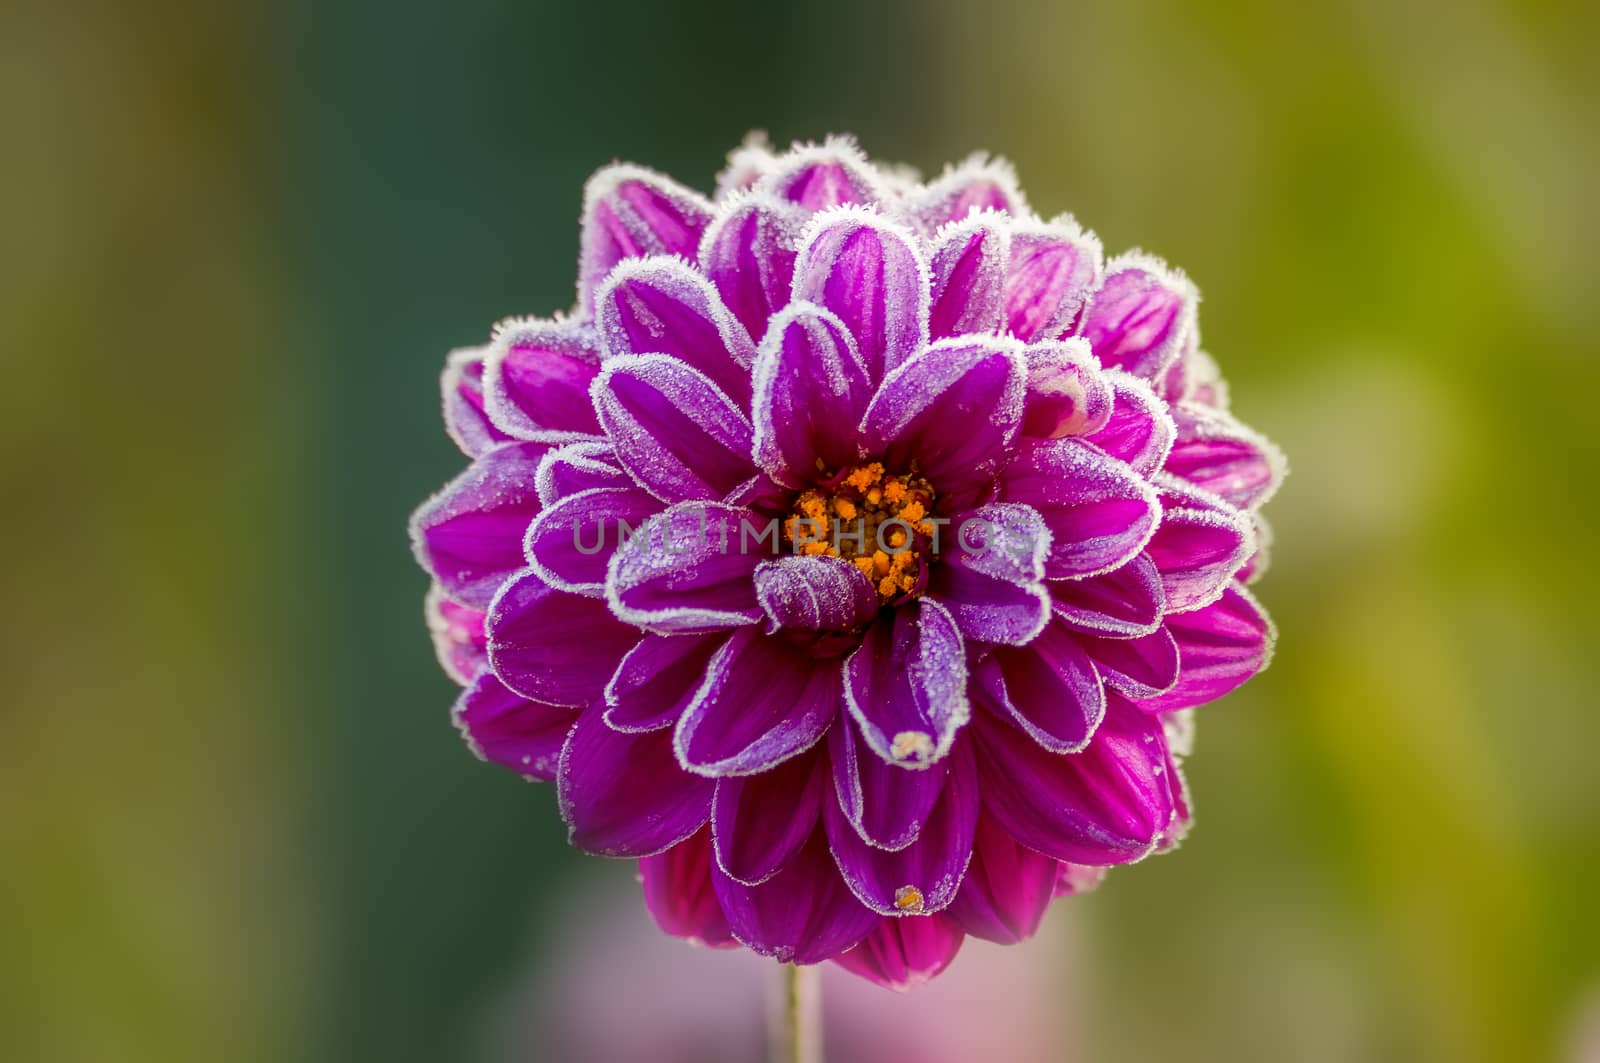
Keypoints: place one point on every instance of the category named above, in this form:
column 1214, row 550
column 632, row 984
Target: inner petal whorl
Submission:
column 880, row 522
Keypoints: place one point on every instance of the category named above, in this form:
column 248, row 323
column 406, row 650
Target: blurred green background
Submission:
column 238, row 240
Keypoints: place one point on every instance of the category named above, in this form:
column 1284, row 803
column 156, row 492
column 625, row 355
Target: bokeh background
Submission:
column 236, row 241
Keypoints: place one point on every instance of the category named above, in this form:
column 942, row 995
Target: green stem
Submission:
column 797, row 1033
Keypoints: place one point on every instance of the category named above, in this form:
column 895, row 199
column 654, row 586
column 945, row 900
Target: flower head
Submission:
column 852, row 554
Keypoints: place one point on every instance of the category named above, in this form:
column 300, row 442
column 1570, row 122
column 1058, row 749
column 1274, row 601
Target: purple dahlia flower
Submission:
column 852, row 554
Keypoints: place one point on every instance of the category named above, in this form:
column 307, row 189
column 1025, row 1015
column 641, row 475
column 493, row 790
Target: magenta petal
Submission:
column 536, row 380
column 469, row 535
column 678, row 893
column 815, row 593
column 631, row 212
column 903, row 953
column 759, row 821
column 1221, row 646
column 867, row 270
column 466, row 421
column 978, row 184
column 658, row 679
column 583, row 466
column 816, row 177
column 1181, row 815
column 688, row 569
column 1109, row 804
column 1141, row 667
column 1054, row 266
column 803, row 914
column 1201, row 543
column 1256, row 565
column 922, row 877
column 748, row 253
column 990, row 572
column 1215, row 452
column 1122, row 603
column 1073, row 879
column 665, row 306
column 1099, row 511
column 552, row 646
column 1140, row 317
column 502, row 727
column 1140, row 430
column 954, row 409
column 1201, row 380
column 458, row 638
column 811, row 389
column 747, row 164
column 1068, row 395
column 1049, row 688
column 570, row 544
column 886, row 804
column 673, row 429
column 764, row 700
column 968, row 265
column 906, row 684
column 623, row 794
column 1007, row 889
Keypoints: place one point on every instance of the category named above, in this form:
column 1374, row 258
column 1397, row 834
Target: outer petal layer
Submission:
column 469, row 535
column 502, row 727
column 466, row 421
column 979, row 183
column 1049, row 688
column 1054, row 267
column 803, row 914
column 819, row 176
column 1007, row 887
column 760, row 821
column 1215, row 452
column 630, row 212
column 903, row 953
column 1099, row 512
column 672, row 428
column 1123, row 603
column 1110, row 804
column 677, row 890
column 536, row 380
column 458, row 638
column 1139, row 429
column 623, row 795
column 662, row 306
column 658, row 680
column 1140, row 316
column 571, row 542
column 1221, row 646
column 552, row 646
column 1068, row 395
column 969, row 276
column 1201, row 543
column 581, row 466
column 748, row 253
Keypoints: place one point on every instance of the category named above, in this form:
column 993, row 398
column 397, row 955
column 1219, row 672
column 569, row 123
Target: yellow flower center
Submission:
column 876, row 521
